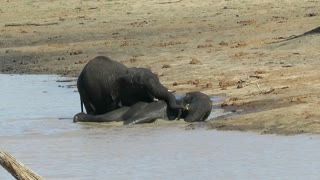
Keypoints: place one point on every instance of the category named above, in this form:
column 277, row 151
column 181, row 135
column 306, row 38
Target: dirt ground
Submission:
column 261, row 55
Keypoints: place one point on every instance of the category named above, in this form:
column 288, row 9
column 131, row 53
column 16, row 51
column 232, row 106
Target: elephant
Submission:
column 105, row 85
column 198, row 108
column 97, row 85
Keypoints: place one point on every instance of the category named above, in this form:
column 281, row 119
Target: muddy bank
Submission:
column 263, row 56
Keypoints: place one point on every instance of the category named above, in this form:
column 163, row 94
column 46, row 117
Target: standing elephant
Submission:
column 105, row 85
column 198, row 105
column 97, row 85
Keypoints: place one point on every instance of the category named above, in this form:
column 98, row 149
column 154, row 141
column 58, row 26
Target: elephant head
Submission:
column 140, row 84
column 198, row 107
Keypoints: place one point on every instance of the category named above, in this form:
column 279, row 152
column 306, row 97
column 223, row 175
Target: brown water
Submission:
column 36, row 127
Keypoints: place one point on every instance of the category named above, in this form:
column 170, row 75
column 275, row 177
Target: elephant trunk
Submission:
column 157, row 90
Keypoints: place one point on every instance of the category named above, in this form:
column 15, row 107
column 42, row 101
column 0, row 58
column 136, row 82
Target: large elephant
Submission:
column 105, row 85
column 198, row 105
column 97, row 85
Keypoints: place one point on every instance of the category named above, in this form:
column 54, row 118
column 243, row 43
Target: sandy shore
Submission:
column 262, row 56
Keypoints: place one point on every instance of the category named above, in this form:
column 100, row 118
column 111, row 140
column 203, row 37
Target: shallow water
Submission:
column 36, row 127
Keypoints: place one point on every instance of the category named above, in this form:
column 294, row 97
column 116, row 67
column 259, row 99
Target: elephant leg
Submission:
column 88, row 105
column 112, row 116
column 146, row 113
column 84, row 99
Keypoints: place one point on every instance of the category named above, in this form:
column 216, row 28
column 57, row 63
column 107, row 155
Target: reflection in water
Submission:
column 60, row 149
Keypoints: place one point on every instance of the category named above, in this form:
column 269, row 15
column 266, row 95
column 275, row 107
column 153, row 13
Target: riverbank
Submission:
column 250, row 52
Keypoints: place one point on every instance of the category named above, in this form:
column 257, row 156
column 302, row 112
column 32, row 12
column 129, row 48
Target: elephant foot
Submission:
column 79, row 117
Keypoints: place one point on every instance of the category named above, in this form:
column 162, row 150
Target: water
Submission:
column 36, row 127
column 27, row 100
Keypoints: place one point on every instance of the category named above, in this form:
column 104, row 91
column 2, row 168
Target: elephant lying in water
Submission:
column 105, row 85
column 198, row 108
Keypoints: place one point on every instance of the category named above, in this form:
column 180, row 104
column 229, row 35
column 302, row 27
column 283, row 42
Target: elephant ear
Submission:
column 140, row 84
column 131, row 90
column 154, row 88
column 128, row 78
column 141, row 76
column 124, row 80
column 198, row 105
